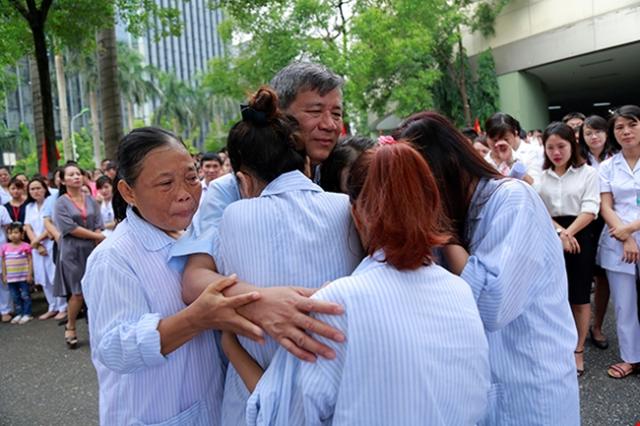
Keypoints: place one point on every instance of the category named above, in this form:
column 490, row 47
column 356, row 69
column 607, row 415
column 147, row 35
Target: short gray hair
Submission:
column 299, row 76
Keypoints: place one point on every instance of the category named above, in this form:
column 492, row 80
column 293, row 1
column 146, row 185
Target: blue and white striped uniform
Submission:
column 292, row 234
column 517, row 275
column 129, row 288
column 415, row 354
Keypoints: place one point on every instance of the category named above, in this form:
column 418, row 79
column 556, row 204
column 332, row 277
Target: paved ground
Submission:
column 44, row 383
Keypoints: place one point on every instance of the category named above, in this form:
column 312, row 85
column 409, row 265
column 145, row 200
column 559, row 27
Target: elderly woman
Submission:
column 155, row 357
column 519, row 282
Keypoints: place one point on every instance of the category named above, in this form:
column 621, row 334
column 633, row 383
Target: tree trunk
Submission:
column 64, row 110
column 95, row 127
column 130, row 114
column 109, row 93
column 42, row 61
column 38, row 120
column 462, row 84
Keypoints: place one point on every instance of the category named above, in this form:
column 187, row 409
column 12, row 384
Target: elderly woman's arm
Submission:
column 283, row 312
column 128, row 336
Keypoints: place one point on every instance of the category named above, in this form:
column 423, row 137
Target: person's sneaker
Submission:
column 16, row 319
column 25, row 319
column 6, row 317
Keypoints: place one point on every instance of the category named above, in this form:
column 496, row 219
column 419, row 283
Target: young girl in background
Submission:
column 17, row 272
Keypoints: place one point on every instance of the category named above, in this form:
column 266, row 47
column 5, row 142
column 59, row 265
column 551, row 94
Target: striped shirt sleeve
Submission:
column 121, row 321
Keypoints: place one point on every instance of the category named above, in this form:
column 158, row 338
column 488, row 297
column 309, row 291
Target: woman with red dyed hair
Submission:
column 415, row 351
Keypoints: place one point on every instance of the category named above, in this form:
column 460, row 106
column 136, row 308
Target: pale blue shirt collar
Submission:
column 290, row 181
column 151, row 237
column 374, row 261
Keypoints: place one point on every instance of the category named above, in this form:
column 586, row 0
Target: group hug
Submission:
column 405, row 282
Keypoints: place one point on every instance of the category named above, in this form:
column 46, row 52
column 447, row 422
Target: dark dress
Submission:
column 73, row 251
column 16, row 213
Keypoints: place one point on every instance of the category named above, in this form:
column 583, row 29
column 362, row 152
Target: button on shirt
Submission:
column 129, row 288
column 623, row 184
column 576, row 191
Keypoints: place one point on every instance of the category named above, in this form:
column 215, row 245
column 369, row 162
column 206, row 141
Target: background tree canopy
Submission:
column 397, row 56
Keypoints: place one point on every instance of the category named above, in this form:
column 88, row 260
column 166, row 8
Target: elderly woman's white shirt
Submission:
column 129, row 288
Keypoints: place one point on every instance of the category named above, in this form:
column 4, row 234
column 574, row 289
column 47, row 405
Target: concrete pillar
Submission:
column 523, row 96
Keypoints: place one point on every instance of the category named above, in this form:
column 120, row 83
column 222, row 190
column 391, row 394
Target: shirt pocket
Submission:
column 196, row 415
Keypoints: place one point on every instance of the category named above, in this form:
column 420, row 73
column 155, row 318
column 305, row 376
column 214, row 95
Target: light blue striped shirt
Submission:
column 220, row 193
column 517, row 274
column 292, row 234
column 415, row 354
column 129, row 288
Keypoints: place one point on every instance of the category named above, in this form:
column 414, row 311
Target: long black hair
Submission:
column 611, row 146
column 452, row 159
column 133, row 149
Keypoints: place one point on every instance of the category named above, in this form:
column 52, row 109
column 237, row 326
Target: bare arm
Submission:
column 248, row 369
column 51, row 229
column 456, row 257
column 212, row 310
column 29, row 268
column 283, row 312
column 84, row 233
column 32, row 236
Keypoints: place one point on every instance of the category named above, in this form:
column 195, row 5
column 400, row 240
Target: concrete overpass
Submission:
column 557, row 56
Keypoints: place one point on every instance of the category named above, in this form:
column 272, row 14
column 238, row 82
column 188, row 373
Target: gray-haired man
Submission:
column 313, row 95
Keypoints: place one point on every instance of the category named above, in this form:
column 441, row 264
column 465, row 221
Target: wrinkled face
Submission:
column 508, row 137
column 557, row 150
column 211, row 170
column 167, row 191
column 594, row 138
column 72, row 178
column 106, row 191
column 320, row 119
column 15, row 192
column 627, row 132
column 36, row 191
column 5, row 177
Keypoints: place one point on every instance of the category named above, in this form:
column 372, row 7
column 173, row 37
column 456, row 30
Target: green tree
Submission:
column 135, row 80
column 175, row 104
column 397, row 55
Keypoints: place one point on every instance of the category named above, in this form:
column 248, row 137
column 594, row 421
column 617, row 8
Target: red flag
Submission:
column 44, row 164
column 476, row 126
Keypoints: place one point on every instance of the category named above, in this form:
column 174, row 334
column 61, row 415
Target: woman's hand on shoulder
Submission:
column 284, row 313
column 214, row 310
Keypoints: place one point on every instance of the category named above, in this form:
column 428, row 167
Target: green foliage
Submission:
column 398, row 56
column 487, row 94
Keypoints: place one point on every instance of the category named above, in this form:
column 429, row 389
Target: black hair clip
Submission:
column 253, row 116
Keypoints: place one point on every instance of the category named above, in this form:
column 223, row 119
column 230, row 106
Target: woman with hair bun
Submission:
column 285, row 229
column 415, row 350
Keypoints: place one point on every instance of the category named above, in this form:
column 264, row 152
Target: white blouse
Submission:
column 577, row 191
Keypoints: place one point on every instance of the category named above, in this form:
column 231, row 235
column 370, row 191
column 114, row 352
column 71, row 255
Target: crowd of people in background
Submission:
column 525, row 226
column 39, row 251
